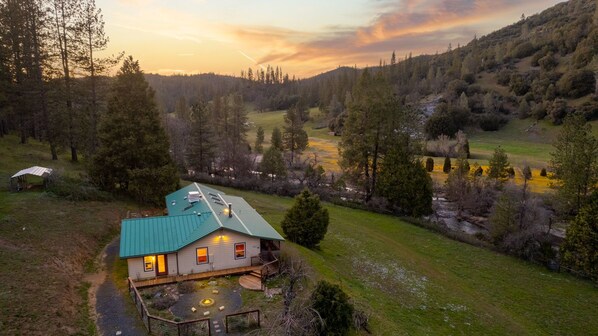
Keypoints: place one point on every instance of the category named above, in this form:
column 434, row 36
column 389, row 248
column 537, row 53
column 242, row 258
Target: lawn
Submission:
column 415, row 282
column 45, row 245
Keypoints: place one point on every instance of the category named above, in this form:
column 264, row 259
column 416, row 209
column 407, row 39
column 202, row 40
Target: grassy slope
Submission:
column 45, row 243
column 415, row 282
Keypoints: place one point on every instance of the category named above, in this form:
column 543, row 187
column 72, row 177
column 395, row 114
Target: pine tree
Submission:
column 272, row 164
column 201, row 149
column 133, row 154
column 276, row 139
column 446, row 168
column 580, row 249
column 499, row 164
column 259, row 140
column 334, row 308
column 294, row 137
column 430, row 164
column 306, row 222
column 575, row 162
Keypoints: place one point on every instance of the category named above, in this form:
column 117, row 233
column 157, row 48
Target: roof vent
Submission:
column 193, row 196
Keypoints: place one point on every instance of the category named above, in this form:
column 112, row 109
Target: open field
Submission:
column 524, row 145
column 46, row 245
column 415, row 282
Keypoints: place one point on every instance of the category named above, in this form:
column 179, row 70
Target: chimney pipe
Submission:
column 230, row 210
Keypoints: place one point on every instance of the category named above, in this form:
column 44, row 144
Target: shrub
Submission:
column 527, row 172
column 575, row 84
column 430, row 164
column 539, row 111
column 186, row 287
column 163, row 302
column 479, row 171
column 440, row 124
column 511, row 172
column 306, row 222
column 75, row 190
column 491, row 122
column 446, row 168
column 333, row 306
column 543, row 172
column 523, row 50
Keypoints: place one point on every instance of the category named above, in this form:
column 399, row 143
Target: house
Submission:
column 205, row 231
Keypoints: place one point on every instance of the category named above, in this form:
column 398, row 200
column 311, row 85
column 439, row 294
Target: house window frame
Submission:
column 151, row 262
column 244, row 250
column 207, row 256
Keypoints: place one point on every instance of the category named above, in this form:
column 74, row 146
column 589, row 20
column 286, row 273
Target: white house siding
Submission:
column 137, row 272
column 221, row 251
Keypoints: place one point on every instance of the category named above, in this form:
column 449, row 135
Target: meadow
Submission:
column 527, row 143
column 416, row 282
column 409, row 280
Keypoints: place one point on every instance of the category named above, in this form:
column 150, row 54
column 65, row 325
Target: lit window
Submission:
column 202, row 255
column 239, row 250
column 148, row 263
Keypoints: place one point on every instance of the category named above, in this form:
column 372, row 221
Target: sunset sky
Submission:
column 303, row 37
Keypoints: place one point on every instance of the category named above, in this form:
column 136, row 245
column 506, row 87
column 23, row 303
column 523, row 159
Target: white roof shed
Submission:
column 35, row 170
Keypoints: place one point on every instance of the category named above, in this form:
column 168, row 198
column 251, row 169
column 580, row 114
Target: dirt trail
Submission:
column 113, row 313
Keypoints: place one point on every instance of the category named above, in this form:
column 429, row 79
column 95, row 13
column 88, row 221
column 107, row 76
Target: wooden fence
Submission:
column 246, row 313
column 158, row 325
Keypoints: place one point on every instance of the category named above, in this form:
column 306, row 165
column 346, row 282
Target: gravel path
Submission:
column 115, row 311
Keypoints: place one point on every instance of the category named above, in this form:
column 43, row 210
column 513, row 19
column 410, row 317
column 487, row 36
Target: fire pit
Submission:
column 207, row 302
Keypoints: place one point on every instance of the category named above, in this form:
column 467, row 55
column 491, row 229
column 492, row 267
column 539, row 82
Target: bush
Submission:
column 575, row 84
column 163, row 302
column 539, row 111
column 491, row 122
column 333, row 306
column 511, row 172
column 543, row 172
column 186, row 287
column 75, row 190
column 479, row 171
column 523, row 50
column 430, row 164
column 527, row 172
column 446, row 168
column 306, row 222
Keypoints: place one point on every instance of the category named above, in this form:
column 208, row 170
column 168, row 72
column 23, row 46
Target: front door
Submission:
column 162, row 265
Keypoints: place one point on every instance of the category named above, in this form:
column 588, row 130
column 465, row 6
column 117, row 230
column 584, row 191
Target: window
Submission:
column 202, row 255
column 148, row 263
column 239, row 250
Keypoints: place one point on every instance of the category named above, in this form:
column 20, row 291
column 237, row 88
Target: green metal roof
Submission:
column 188, row 222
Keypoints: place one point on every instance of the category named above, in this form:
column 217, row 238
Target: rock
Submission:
column 118, row 333
column 206, row 313
column 221, row 308
column 215, row 291
column 157, row 295
column 193, row 309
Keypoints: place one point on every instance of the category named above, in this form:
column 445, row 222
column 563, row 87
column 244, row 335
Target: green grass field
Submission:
column 410, row 280
column 415, row 282
column 46, row 244
column 523, row 147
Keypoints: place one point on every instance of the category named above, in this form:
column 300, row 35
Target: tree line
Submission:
column 52, row 83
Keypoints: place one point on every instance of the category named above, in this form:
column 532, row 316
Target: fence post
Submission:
column 258, row 319
column 149, row 325
column 226, row 323
column 178, row 329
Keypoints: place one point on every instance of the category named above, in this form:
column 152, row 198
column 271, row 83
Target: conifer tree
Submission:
column 306, row 222
column 276, row 139
column 499, row 164
column 133, row 154
column 200, row 151
column 446, row 168
column 272, row 164
column 294, row 137
column 575, row 162
column 259, row 140
column 580, row 249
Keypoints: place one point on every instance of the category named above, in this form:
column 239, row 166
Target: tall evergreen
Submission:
column 276, row 139
column 294, row 137
column 259, row 140
column 133, row 154
column 201, row 149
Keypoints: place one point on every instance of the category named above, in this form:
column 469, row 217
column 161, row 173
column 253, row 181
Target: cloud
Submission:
column 420, row 26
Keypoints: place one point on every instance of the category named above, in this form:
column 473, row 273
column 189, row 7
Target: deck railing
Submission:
column 161, row 325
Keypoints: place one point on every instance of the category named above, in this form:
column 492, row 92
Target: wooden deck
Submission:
column 251, row 282
column 196, row 276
